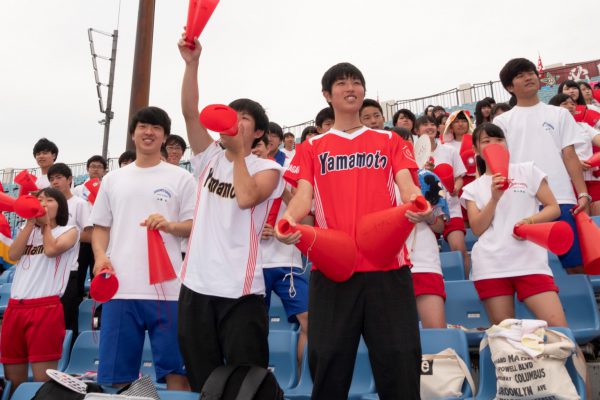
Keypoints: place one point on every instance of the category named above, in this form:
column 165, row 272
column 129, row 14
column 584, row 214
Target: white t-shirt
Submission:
column 424, row 251
column 223, row 258
column 127, row 197
column 585, row 150
column 42, row 181
column 289, row 154
column 79, row 216
column 497, row 254
column 38, row 275
column 538, row 134
column 276, row 254
column 447, row 154
column 81, row 191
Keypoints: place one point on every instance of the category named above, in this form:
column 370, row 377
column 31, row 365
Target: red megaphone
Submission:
column 29, row 207
column 333, row 252
column 446, row 174
column 93, row 185
column 5, row 227
column 7, row 203
column 589, row 237
column 380, row 236
column 497, row 158
column 584, row 114
column 104, row 286
column 159, row 264
column 467, row 154
column 26, row 181
column 556, row 237
column 202, row 11
column 594, row 160
column 220, row 118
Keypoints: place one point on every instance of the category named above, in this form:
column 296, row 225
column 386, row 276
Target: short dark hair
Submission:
column 438, row 120
column 60, row 169
column 151, row 115
column 128, row 155
column 96, row 158
column 407, row 113
column 438, row 108
column 289, row 134
column 499, row 106
column 492, row 130
column 275, row 129
column 307, row 131
column 176, row 140
column 371, row 103
column 62, row 212
column 559, row 98
column 490, row 100
column 513, row 68
column 264, row 138
column 258, row 113
column 163, row 151
column 424, row 119
column 403, row 133
column 45, row 145
column 340, row 71
column 572, row 84
column 324, row 114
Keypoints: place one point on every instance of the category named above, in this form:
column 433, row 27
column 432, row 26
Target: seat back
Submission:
column 85, row 354
column 278, row 319
column 452, row 266
column 464, row 308
column 283, row 350
column 86, row 316
column 26, row 390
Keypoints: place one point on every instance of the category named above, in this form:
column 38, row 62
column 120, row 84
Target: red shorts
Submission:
column 455, row 224
column 33, row 330
column 428, row 283
column 593, row 189
column 525, row 286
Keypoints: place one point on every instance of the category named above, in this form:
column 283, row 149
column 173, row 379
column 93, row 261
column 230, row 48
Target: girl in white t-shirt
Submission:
column 584, row 150
column 33, row 328
column 501, row 263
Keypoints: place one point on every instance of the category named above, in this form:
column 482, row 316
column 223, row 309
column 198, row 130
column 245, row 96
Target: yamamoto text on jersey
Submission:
column 223, row 189
column 344, row 162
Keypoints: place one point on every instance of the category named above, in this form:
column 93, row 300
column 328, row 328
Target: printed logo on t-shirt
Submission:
column 548, row 127
column 344, row 162
column 294, row 169
column 162, row 195
column 31, row 250
column 223, row 189
column 517, row 187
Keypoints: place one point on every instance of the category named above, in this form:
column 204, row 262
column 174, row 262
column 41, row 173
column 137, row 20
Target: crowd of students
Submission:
column 218, row 225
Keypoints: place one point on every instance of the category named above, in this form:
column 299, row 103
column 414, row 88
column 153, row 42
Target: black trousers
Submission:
column 214, row 331
column 381, row 307
column 70, row 301
column 85, row 260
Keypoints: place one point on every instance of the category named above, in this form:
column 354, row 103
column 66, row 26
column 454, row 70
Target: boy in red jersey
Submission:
column 351, row 170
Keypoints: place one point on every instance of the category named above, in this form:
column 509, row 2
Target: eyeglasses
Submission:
column 96, row 166
column 174, row 148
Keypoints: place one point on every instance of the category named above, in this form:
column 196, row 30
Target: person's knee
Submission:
column 303, row 321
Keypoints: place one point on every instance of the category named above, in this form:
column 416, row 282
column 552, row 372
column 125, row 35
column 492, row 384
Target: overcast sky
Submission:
column 273, row 51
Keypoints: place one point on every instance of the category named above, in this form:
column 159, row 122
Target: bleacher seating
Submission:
column 452, row 266
column 464, row 308
column 177, row 395
column 4, row 297
column 7, row 275
column 278, row 319
column 26, row 390
column 579, row 303
column 470, row 240
column 147, row 366
column 487, row 373
column 85, row 353
column 362, row 378
column 283, row 349
column 86, row 308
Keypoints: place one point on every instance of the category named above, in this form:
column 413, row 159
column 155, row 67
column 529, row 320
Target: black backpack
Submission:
column 52, row 390
column 241, row 382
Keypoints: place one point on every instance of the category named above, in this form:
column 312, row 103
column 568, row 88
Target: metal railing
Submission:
column 298, row 128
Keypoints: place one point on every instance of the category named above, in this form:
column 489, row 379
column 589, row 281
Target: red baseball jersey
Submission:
column 352, row 174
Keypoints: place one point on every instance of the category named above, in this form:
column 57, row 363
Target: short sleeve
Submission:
column 101, row 211
column 402, row 155
column 83, row 215
column 201, row 160
column 570, row 131
column 468, row 194
column 188, row 198
column 302, row 165
column 457, row 163
column 535, row 178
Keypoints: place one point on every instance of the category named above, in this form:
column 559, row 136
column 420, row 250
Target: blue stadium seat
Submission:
column 88, row 282
column 4, row 297
column 362, row 378
column 66, row 351
column 7, row 275
column 86, row 308
column 283, row 350
column 470, row 240
column 147, row 367
column 452, row 266
column 278, row 319
column 6, row 392
column 557, row 269
column 85, row 353
column 596, row 219
column 595, row 281
column 487, row 372
column 464, row 308
column 177, row 395
column 435, row 340
column 579, row 303
column 26, row 390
